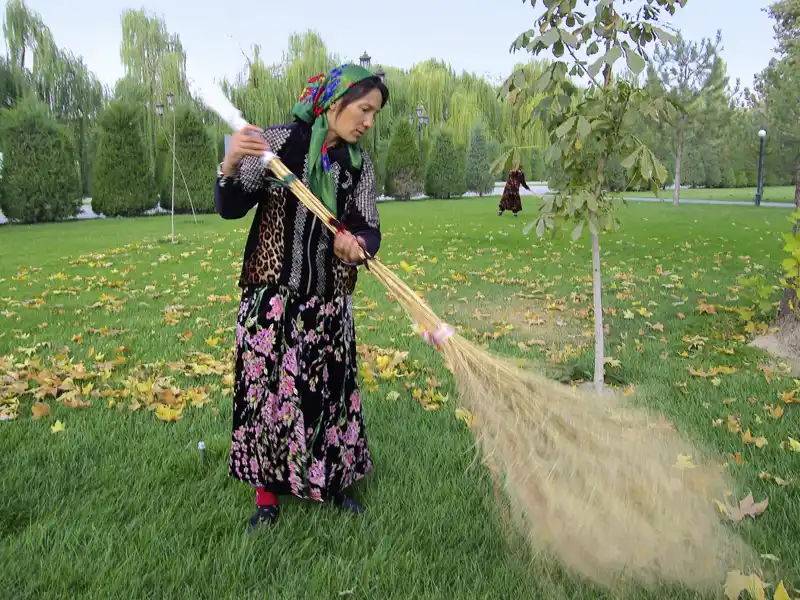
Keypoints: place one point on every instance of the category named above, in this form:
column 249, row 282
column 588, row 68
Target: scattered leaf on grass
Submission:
column 747, row 507
column 58, row 427
column 167, row 414
column 40, row 410
column 736, row 583
column 758, row 442
column 466, row 416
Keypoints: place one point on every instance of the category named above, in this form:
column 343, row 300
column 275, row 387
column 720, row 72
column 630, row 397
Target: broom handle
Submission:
column 384, row 274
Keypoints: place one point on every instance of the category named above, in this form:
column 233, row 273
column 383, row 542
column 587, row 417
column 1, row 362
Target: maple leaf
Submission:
column 747, row 507
column 781, row 593
column 736, row 583
column 657, row 327
column 793, row 444
column 734, row 424
column 40, row 410
column 167, row 414
column 684, row 462
column 758, row 442
column 706, row 309
column 58, row 427
column 465, row 416
column 393, row 396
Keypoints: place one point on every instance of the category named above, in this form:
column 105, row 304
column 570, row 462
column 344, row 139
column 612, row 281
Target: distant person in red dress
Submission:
column 511, row 200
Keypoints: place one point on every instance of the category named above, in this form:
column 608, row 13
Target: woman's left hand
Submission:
column 347, row 247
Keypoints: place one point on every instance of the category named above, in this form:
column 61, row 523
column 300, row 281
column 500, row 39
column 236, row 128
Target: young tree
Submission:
column 403, row 163
column 587, row 126
column 39, row 180
column 688, row 71
column 444, row 176
column 778, row 88
column 479, row 176
column 123, row 183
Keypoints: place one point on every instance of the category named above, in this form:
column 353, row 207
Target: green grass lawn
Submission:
column 771, row 194
column 120, row 504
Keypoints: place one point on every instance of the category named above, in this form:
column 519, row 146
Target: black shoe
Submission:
column 499, row 213
column 265, row 515
column 347, row 504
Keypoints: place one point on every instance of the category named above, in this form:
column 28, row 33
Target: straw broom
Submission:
column 591, row 481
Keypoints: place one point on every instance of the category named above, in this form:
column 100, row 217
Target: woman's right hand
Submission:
column 248, row 141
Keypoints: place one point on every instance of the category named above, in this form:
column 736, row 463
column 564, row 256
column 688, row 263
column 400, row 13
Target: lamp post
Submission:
column 421, row 120
column 365, row 60
column 171, row 104
column 160, row 113
column 380, row 74
column 760, row 190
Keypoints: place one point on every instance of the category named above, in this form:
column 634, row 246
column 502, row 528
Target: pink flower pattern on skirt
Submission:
column 298, row 426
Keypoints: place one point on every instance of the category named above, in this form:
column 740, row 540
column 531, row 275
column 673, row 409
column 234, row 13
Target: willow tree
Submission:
column 59, row 79
column 266, row 92
column 155, row 62
column 589, row 125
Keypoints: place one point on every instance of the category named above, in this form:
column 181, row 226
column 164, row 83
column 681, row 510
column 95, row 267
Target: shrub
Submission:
column 40, row 180
column 444, row 175
column 196, row 164
column 123, row 183
column 403, row 162
column 479, row 176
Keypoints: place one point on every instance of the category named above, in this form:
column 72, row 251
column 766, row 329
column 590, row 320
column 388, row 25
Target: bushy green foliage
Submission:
column 479, row 176
column 123, row 183
column 196, row 164
column 403, row 162
column 538, row 170
column 444, row 175
column 40, row 180
column 728, row 178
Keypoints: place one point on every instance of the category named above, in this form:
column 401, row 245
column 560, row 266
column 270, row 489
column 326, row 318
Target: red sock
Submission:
column 265, row 498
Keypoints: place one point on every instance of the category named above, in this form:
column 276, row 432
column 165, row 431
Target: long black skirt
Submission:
column 298, row 427
column 511, row 199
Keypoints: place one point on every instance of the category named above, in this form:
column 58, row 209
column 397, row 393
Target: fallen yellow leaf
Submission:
column 781, row 593
column 40, row 410
column 58, row 427
column 736, row 583
column 466, row 416
column 167, row 414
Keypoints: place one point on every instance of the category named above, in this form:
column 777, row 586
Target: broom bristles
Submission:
column 588, row 478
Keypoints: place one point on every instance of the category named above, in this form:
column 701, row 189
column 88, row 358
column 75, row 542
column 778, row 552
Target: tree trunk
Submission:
column 599, row 336
column 788, row 320
column 676, row 195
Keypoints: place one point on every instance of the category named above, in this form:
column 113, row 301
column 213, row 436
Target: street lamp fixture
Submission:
column 160, row 109
column 365, row 60
column 421, row 121
column 762, row 134
column 381, row 74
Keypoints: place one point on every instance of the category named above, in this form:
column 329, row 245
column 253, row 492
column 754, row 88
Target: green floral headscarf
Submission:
column 322, row 91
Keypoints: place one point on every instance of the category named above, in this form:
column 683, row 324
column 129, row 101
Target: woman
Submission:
column 511, row 200
column 297, row 422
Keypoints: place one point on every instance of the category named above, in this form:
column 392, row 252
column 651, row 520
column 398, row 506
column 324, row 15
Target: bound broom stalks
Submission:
column 591, row 481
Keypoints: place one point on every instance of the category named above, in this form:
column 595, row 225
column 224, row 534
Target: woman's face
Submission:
column 355, row 119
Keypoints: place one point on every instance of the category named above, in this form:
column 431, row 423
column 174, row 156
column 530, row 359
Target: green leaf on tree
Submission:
column 635, row 62
column 576, row 233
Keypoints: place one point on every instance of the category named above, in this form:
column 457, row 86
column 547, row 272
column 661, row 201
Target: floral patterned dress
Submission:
column 298, row 426
column 511, row 199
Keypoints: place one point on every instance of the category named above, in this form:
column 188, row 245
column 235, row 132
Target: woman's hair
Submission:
column 361, row 89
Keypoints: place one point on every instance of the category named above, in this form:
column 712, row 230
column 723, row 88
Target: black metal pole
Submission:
column 419, row 129
column 760, row 189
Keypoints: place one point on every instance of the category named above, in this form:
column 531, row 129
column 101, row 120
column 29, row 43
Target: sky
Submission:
column 471, row 35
